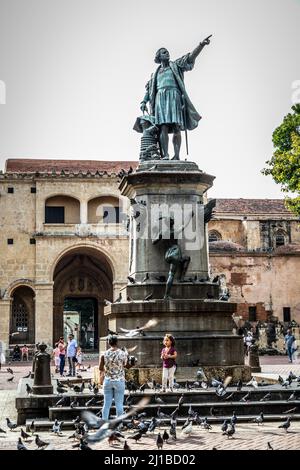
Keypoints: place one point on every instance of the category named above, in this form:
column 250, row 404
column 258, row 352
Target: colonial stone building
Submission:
column 64, row 250
column 256, row 244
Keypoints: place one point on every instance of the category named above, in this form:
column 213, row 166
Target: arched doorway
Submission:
column 82, row 280
column 22, row 318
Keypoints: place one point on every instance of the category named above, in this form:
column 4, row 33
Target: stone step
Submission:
column 46, row 424
column 204, row 409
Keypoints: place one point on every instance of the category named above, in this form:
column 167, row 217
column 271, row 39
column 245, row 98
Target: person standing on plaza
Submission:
column 24, row 351
column 56, row 353
column 112, row 375
column 62, row 355
column 71, row 355
column 289, row 340
column 168, row 355
column 2, row 354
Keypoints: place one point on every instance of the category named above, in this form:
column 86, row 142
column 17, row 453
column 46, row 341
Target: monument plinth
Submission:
column 168, row 271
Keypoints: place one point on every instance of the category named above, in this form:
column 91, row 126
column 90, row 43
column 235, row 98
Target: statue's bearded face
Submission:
column 164, row 54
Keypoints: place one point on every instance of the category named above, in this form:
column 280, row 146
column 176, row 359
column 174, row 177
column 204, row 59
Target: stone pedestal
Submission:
column 42, row 375
column 44, row 313
column 254, row 359
column 160, row 192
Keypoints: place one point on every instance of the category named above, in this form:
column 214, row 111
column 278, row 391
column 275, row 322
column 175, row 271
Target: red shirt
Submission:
column 168, row 362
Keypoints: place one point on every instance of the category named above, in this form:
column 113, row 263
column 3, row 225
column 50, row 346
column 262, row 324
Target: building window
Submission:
column 54, row 215
column 32, row 241
column 111, row 215
column 279, row 239
column 10, row 190
column 214, row 236
column 33, row 190
column 286, row 314
column 10, row 241
column 20, row 316
column 252, row 313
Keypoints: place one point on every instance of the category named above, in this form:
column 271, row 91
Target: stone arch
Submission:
column 77, row 247
column 18, row 283
column 69, row 207
column 280, row 238
column 99, row 205
column 22, row 314
column 83, row 278
column 214, row 236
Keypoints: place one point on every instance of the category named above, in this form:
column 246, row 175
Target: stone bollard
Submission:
column 33, row 364
column 42, row 376
column 254, row 358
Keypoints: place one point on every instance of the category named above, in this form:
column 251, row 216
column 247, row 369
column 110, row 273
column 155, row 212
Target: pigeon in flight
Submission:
column 139, row 330
column 108, row 427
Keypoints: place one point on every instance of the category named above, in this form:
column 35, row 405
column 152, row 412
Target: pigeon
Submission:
column 39, row 442
column 230, row 431
column 181, row 400
column 158, row 400
column 107, row 302
column 139, row 330
column 10, row 371
column 2, row 431
column 286, row 424
column 74, row 404
column 159, row 441
column 252, row 383
column 11, row 425
column 119, row 299
column 62, row 401
column 173, row 432
column 229, row 396
column 221, row 388
column 57, row 426
column 10, row 379
column 20, row 445
column 165, row 436
column 225, row 425
column 28, row 389
column 24, row 435
column 239, row 385
column 82, row 445
column 292, row 410
column 267, row 397
column 187, row 429
column 148, row 297
column 32, row 427
column 61, row 390
column 245, row 397
column 292, row 397
column 126, row 446
column 259, row 419
column 108, row 427
column 136, row 436
column 234, row 418
column 131, row 279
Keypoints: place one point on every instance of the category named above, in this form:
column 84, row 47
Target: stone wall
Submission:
column 268, row 281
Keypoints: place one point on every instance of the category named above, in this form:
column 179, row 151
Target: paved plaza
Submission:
column 248, row 436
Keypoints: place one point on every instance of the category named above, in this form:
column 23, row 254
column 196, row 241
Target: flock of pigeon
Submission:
column 135, row 424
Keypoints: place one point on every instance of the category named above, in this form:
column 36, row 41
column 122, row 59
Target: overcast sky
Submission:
column 75, row 72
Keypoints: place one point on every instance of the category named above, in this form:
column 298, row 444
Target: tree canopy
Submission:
column 284, row 165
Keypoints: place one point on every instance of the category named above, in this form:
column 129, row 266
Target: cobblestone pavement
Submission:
column 248, row 435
